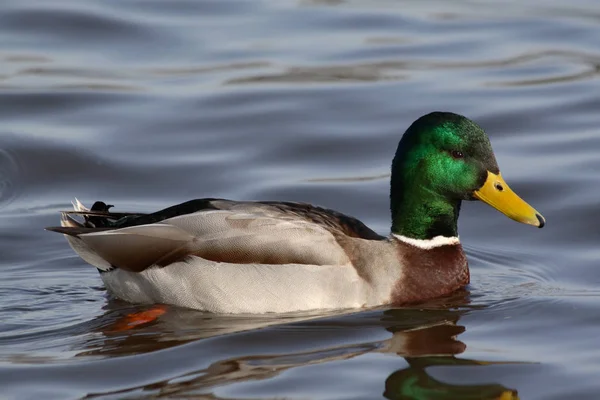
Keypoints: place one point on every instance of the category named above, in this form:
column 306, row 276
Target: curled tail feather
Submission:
column 69, row 223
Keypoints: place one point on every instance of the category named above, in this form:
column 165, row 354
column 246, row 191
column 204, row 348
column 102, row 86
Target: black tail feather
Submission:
column 75, row 231
column 112, row 215
column 99, row 216
column 97, row 219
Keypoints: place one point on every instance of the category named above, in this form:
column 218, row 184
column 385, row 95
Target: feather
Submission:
column 139, row 247
column 214, row 229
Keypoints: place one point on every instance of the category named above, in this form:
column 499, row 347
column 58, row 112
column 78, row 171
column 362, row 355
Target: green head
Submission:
column 442, row 159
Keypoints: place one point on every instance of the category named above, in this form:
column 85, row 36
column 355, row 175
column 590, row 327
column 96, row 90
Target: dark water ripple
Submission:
column 147, row 103
column 9, row 176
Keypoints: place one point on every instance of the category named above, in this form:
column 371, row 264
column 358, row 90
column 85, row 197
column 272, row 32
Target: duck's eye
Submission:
column 457, row 154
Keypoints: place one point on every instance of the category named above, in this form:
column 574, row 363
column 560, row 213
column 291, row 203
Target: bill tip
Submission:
column 541, row 220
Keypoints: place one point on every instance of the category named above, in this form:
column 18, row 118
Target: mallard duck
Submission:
column 230, row 256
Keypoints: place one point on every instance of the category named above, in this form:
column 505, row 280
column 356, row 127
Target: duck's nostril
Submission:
column 499, row 187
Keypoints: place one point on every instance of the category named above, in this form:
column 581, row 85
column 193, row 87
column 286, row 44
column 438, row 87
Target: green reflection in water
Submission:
column 415, row 383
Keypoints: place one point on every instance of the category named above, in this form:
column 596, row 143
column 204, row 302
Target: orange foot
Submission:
column 132, row 320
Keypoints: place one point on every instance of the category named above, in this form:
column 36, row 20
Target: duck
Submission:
column 224, row 256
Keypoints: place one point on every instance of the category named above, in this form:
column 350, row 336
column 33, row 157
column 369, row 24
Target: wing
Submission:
column 220, row 230
column 331, row 220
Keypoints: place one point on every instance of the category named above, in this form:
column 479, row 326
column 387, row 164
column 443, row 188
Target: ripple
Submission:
column 344, row 179
column 333, row 74
column 586, row 65
column 9, row 176
column 70, row 24
column 149, row 103
column 196, row 70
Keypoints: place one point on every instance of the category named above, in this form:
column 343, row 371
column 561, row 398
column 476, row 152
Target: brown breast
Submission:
column 428, row 274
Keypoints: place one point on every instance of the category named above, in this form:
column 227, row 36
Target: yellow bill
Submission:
column 497, row 194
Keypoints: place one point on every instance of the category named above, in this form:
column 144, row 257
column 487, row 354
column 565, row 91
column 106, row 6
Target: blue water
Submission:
column 145, row 104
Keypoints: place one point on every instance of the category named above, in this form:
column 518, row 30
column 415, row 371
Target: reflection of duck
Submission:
column 429, row 339
column 256, row 257
column 414, row 383
column 135, row 329
column 129, row 329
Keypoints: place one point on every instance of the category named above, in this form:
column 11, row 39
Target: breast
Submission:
column 427, row 274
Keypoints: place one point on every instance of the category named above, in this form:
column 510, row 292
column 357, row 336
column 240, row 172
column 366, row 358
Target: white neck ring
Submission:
column 427, row 244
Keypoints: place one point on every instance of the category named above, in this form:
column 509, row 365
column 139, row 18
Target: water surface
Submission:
column 145, row 104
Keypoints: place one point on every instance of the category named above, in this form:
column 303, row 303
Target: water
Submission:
column 145, row 104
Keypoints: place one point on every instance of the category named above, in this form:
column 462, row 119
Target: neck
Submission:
column 417, row 213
